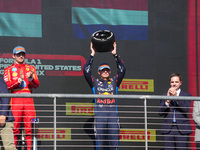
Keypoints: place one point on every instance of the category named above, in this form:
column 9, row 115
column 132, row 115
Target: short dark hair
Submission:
column 175, row 75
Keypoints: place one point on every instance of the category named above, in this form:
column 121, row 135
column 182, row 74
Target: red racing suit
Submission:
column 21, row 106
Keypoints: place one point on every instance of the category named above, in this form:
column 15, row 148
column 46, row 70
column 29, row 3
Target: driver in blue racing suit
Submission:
column 106, row 115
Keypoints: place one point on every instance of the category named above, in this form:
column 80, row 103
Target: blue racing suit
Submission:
column 106, row 115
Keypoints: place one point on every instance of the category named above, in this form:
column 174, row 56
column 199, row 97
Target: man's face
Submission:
column 19, row 58
column 104, row 73
column 175, row 82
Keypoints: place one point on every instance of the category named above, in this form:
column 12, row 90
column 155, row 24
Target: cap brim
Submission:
column 19, row 52
column 104, row 67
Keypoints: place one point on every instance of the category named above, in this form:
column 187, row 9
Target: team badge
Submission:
column 23, row 84
column 100, row 83
column 27, row 69
column 110, row 86
column 106, row 93
column 14, row 74
column 14, row 69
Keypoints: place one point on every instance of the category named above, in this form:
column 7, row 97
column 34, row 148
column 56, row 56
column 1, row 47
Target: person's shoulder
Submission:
column 29, row 66
column 185, row 93
column 11, row 66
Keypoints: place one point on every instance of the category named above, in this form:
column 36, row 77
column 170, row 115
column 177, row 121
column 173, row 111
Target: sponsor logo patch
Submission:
column 86, row 109
column 137, row 135
column 62, row 134
column 137, row 85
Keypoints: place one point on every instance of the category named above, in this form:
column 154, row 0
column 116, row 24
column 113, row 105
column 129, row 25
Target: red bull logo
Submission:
column 105, row 101
column 106, row 93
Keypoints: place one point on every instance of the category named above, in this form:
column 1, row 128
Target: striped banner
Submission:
column 20, row 18
column 128, row 19
column 114, row 4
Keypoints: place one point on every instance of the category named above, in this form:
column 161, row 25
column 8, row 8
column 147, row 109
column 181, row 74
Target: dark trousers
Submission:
column 107, row 131
column 174, row 140
column 198, row 145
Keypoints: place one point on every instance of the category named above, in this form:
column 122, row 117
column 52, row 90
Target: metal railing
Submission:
column 144, row 98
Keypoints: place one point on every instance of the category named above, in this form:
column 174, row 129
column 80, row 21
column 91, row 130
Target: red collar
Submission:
column 19, row 65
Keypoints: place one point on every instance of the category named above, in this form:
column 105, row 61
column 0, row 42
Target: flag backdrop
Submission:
column 128, row 19
column 20, row 18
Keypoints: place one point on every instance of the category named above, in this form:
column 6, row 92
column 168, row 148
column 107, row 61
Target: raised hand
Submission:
column 21, row 74
column 114, row 51
column 92, row 49
column 30, row 73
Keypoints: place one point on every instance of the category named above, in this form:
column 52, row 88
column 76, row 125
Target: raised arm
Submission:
column 33, row 78
column 87, row 68
column 11, row 84
column 121, row 69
